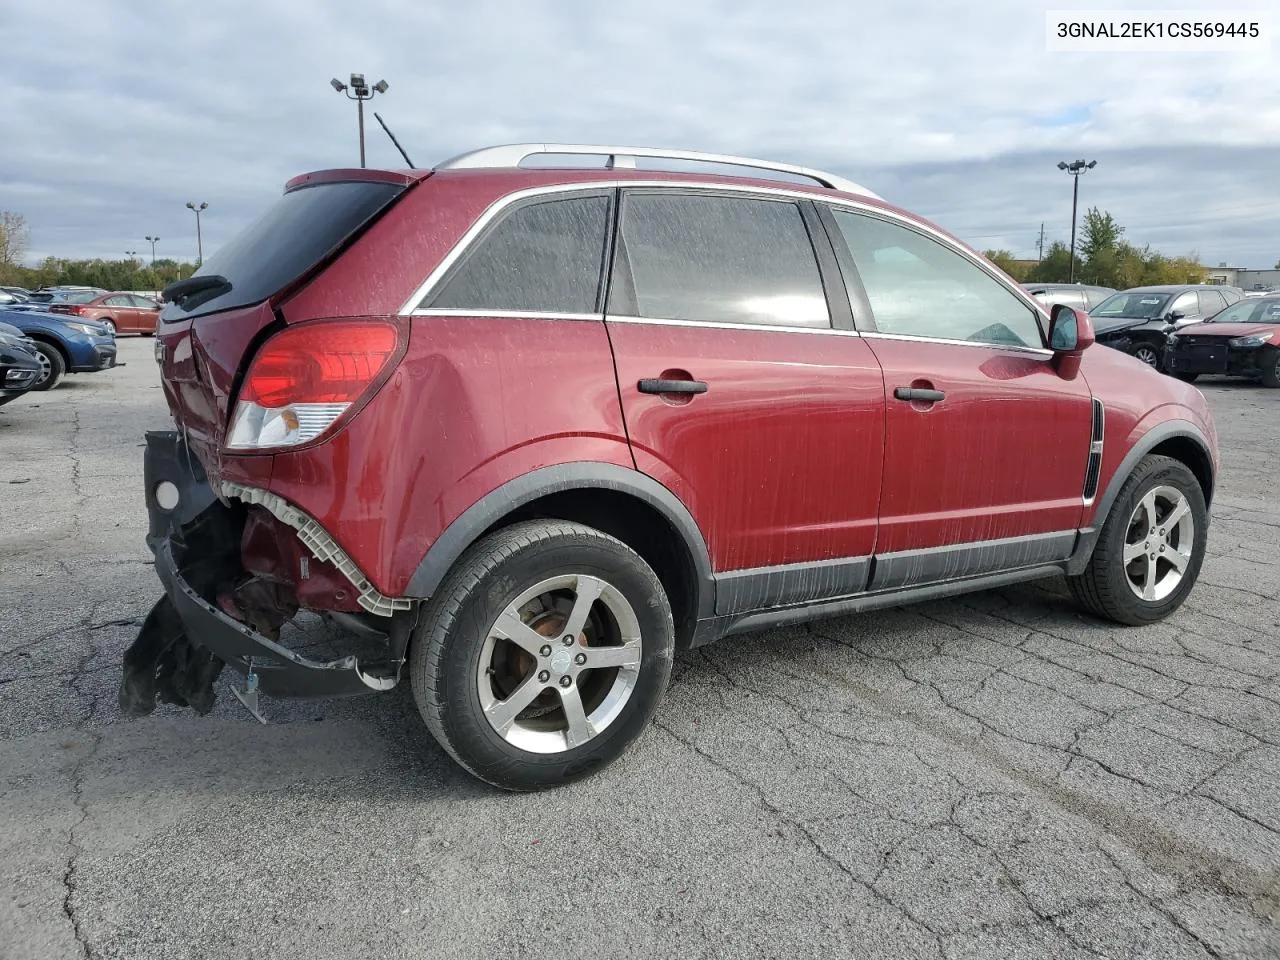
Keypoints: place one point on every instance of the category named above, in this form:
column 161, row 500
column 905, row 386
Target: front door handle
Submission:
column 672, row 386
column 918, row 393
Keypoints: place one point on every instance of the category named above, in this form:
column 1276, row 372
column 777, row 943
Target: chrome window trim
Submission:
column 729, row 325
column 594, row 186
column 1016, row 348
column 508, row 314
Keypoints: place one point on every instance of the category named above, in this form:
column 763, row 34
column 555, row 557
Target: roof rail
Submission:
column 514, row 155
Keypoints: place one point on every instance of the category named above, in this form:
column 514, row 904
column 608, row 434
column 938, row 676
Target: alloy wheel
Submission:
column 1158, row 544
column 46, row 368
column 1147, row 355
column 559, row 664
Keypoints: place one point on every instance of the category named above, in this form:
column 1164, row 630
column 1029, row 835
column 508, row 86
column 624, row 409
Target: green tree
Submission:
column 1100, row 235
column 1055, row 267
column 1007, row 262
column 13, row 244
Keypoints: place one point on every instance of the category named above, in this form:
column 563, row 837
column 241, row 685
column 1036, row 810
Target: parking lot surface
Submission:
column 994, row 776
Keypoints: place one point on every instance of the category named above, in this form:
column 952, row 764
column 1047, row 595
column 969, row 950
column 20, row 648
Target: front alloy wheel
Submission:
column 1147, row 355
column 1150, row 548
column 543, row 654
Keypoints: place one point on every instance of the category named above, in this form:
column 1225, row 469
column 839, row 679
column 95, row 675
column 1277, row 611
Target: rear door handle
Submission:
column 918, row 393
column 672, row 386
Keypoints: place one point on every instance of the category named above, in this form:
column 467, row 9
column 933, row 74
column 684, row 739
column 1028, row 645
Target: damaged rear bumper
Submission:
column 186, row 640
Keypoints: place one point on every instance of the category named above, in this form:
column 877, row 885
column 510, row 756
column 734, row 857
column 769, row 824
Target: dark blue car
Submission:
column 19, row 364
column 66, row 344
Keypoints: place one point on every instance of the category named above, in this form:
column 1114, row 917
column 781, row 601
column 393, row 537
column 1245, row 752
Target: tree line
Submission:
column 123, row 274
column 1103, row 258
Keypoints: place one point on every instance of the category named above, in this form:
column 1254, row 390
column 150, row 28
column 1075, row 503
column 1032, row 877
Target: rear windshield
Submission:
column 300, row 230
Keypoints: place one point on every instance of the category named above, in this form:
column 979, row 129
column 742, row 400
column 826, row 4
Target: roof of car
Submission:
column 1167, row 288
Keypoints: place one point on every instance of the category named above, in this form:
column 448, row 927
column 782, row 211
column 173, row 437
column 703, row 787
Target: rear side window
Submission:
column 544, row 257
column 301, row 229
column 716, row 259
column 1211, row 301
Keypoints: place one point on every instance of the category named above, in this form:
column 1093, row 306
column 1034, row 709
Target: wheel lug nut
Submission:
column 566, row 682
column 544, row 676
column 546, row 650
column 580, row 659
column 567, row 641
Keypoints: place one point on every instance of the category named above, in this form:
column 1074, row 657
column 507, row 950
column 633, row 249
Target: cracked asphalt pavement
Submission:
column 995, row 776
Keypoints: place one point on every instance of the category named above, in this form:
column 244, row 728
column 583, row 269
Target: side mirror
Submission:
column 1175, row 316
column 1070, row 333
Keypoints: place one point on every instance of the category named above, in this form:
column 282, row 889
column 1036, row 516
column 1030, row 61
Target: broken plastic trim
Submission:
column 322, row 546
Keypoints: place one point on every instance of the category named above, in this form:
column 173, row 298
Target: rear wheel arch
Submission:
column 624, row 503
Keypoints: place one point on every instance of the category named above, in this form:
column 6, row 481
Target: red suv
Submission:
column 525, row 431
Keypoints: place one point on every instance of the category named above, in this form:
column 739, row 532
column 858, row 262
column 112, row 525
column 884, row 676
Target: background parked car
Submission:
column 1241, row 341
column 66, row 345
column 120, row 311
column 1075, row 295
column 20, row 363
column 1137, row 321
column 19, row 291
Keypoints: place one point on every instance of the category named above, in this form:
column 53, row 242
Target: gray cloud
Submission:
column 956, row 112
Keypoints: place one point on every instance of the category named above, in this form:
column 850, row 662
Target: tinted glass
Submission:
column 299, row 230
column 1186, row 304
column 77, row 296
column 722, row 259
column 123, row 300
column 544, row 257
column 918, row 287
column 1250, row 311
column 1121, row 309
column 1211, row 301
column 142, row 303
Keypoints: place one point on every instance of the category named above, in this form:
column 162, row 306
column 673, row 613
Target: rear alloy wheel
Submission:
column 1270, row 362
column 1149, row 552
column 1147, row 354
column 110, row 325
column 543, row 654
column 52, row 367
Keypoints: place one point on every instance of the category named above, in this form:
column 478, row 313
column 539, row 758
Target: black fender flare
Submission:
column 1166, row 430
column 584, row 475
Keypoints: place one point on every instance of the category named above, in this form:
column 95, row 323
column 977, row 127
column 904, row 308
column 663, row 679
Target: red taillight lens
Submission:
column 320, row 363
column 306, row 378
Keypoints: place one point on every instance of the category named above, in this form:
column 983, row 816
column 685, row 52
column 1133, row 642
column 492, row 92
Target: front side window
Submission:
column 1185, row 305
column 122, row 300
column 142, row 303
column 918, row 287
column 544, row 257
column 717, row 259
column 1211, row 302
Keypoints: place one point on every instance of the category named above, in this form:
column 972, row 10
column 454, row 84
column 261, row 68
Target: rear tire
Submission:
column 1271, row 368
column 494, row 678
column 52, row 364
column 1157, row 522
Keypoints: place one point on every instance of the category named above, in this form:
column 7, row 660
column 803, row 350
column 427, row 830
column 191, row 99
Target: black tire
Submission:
column 1142, row 351
column 1103, row 588
column 1187, row 377
column 1270, row 363
column 57, row 366
column 446, row 648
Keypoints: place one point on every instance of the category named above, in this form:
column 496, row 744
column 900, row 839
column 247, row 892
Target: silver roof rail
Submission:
column 514, row 154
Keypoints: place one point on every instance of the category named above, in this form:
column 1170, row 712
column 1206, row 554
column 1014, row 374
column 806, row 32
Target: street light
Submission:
column 153, row 241
column 1076, row 168
column 359, row 91
column 199, row 239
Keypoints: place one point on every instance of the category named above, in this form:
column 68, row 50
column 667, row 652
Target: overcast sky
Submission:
column 116, row 114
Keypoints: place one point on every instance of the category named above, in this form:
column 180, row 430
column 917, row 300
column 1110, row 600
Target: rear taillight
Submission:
column 306, row 377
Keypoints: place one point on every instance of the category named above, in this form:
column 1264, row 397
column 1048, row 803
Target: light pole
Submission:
column 199, row 239
column 153, row 241
column 359, row 91
column 131, row 254
column 1076, row 168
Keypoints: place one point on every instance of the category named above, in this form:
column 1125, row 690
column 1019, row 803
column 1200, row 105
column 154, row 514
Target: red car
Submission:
column 526, row 432
column 122, row 312
column 1241, row 341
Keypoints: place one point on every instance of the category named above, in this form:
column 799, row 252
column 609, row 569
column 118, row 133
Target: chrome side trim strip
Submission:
column 723, row 325
column 1037, row 351
column 507, row 314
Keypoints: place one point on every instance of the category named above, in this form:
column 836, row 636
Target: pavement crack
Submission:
column 70, row 874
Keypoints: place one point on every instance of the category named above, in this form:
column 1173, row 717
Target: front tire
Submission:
column 52, row 366
column 1149, row 552
column 110, row 325
column 1271, row 369
column 1147, row 354
column 542, row 655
